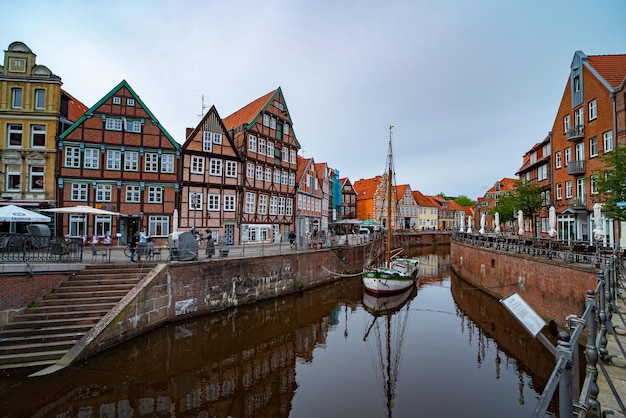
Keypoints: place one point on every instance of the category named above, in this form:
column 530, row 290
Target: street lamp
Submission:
column 194, row 206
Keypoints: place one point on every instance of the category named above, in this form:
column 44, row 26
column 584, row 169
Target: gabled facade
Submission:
column 536, row 169
column 310, row 200
column 372, row 201
column 211, row 179
column 31, row 114
column 583, row 130
column 323, row 175
column 118, row 157
column 263, row 134
column 348, row 201
column 335, row 199
column 428, row 212
column 408, row 209
column 446, row 213
column 501, row 188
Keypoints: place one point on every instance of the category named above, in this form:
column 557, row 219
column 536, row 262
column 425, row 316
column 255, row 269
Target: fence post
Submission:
column 602, row 318
column 591, row 355
column 564, row 349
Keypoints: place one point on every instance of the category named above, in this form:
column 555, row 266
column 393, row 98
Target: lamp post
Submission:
column 194, row 202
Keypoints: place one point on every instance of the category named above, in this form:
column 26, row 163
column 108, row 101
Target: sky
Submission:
column 468, row 85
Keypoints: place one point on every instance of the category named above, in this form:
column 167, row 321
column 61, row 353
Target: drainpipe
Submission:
column 619, row 223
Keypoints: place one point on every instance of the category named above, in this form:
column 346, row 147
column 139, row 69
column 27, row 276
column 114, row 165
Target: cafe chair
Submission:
column 95, row 253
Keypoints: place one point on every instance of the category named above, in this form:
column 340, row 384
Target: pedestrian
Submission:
column 292, row 239
column 143, row 237
column 133, row 246
column 210, row 246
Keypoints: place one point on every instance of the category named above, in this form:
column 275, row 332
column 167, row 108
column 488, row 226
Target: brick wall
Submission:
column 16, row 292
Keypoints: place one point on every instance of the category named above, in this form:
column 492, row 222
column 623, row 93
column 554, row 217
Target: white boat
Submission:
column 396, row 274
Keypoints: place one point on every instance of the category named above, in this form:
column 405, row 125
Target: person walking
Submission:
column 292, row 239
column 133, row 246
column 143, row 237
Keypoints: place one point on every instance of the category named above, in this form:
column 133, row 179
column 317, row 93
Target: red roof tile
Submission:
column 247, row 113
column 611, row 67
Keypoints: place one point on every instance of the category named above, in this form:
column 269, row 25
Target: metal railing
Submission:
column 27, row 248
column 597, row 319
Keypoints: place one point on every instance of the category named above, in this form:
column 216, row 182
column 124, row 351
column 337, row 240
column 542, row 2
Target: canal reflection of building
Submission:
column 495, row 325
column 185, row 370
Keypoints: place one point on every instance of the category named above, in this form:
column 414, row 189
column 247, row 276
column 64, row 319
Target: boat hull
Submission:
column 386, row 281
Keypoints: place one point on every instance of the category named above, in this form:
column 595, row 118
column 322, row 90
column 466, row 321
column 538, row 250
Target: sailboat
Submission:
column 397, row 273
column 390, row 318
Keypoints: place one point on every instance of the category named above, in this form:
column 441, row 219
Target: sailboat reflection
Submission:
column 385, row 337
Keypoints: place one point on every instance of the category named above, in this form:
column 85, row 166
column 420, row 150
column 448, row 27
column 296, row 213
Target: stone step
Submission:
column 12, row 340
column 44, row 324
column 21, row 332
column 101, row 281
column 77, row 300
column 69, row 294
column 6, row 350
column 78, row 287
column 27, row 359
column 41, row 308
column 44, row 316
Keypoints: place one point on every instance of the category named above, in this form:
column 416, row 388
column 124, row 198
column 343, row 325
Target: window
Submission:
column 266, row 120
column 133, row 194
column 197, row 164
column 281, row 206
column 104, row 192
column 593, row 147
column 229, row 203
column 217, row 138
column 592, row 110
column 580, row 188
column 216, row 167
column 284, row 177
column 580, row 151
column 92, row 158
column 272, row 123
column 607, row 139
column 151, row 162
column 16, row 97
column 270, row 149
column 593, row 180
column 14, row 178
column 259, row 172
column 78, row 225
column 72, row 157
column 566, row 123
column 249, row 203
column 36, row 178
column 167, row 163
column 276, row 176
column 273, row 205
column 262, row 146
column 207, row 144
column 286, row 129
column 568, row 189
column 15, row 134
column 117, row 100
column 250, row 170
column 130, row 102
column 231, row 169
column 131, row 161
column 155, row 194
column 102, row 225
column 578, row 118
column 252, row 143
column 133, row 126
column 213, row 202
column 542, row 172
column 158, row 226
column 79, row 192
column 195, row 201
column 577, row 84
column 263, row 204
column 38, row 136
column 113, row 124
column 557, row 159
column 292, row 179
column 292, row 156
column 40, row 99
column 114, row 159
column 268, row 174
column 289, row 207
column 568, row 156
column 285, row 154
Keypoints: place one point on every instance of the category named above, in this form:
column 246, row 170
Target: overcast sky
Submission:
column 469, row 85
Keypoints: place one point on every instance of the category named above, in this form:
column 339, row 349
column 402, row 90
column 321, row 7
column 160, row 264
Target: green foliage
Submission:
column 299, row 285
column 507, row 207
column 612, row 184
column 465, row 201
column 32, row 304
column 526, row 196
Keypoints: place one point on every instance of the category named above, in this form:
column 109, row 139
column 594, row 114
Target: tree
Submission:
column 464, row 201
column 506, row 207
column 526, row 196
column 612, row 183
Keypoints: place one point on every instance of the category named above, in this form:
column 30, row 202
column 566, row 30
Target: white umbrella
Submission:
column 175, row 222
column 552, row 221
column 598, row 232
column 482, row 223
column 497, row 221
column 12, row 213
column 462, row 221
column 469, row 224
column 520, row 220
column 83, row 210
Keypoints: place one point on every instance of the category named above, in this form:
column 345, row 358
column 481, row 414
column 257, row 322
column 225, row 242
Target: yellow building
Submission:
column 30, row 117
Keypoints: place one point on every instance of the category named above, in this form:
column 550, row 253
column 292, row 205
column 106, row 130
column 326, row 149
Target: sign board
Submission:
column 524, row 313
column 621, row 204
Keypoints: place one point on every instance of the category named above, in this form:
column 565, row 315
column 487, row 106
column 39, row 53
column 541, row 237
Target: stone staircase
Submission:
column 42, row 334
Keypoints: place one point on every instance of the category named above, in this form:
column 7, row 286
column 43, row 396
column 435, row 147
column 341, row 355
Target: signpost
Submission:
column 528, row 318
column 621, row 204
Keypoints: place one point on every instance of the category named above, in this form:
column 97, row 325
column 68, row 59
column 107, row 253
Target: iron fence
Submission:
column 27, row 248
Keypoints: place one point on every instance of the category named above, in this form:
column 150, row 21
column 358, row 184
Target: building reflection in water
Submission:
column 242, row 362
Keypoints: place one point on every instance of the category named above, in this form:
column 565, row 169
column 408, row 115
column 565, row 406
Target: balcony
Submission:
column 577, row 203
column 577, row 132
column 576, row 168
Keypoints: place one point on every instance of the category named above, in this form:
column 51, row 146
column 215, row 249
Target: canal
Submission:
column 445, row 349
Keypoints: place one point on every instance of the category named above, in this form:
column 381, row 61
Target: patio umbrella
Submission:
column 175, row 222
column 83, row 210
column 482, row 223
column 12, row 213
column 497, row 221
column 552, row 221
column 469, row 224
column 598, row 232
column 462, row 221
column 520, row 220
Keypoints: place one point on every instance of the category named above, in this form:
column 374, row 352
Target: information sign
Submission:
column 524, row 313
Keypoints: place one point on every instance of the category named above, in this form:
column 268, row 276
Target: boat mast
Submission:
column 389, row 177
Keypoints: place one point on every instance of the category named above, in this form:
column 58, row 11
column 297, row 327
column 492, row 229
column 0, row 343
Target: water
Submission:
column 454, row 351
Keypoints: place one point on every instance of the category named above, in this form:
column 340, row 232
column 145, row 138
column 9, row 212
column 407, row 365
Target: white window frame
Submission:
column 250, row 170
column 566, row 124
column 117, row 100
column 130, row 102
column 251, row 143
column 268, row 174
column 250, row 203
column 155, row 194
column 167, row 163
column 79, row 192
column 207, row 143
column 104, row 192
column 216, row 167
column 133, row 126
column 151, row 162
column 593, row 182
column 72, row 157
column 607, row 139
column 91, row 158
column 15, row 133
column 259, row 172
column 285, row 154
column 231, row 169
column 196, row 201
column 36, row 178
column 580, row 151
column 292, row 156
column 40, row 99
column 16, row 97
column 557, row 159
column 197, row 164
column 593, row 110
column 217, row 138
column 113, row 124
column 568, row 189
column 289, row 207
column 262, row 148
column 158, row 225
column 593, row 147
column 273, row 205
column 131, row 161
column 114, row 159
column 270, row 149
column 568, row 156
column 230, row 202
column 38, row 133
column 13, row 178
column 213, row 202
column 262, row 204
column 133, row 193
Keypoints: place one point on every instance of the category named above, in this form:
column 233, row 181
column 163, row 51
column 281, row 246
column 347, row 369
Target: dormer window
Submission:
column 117, row 100
column 130, row 102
